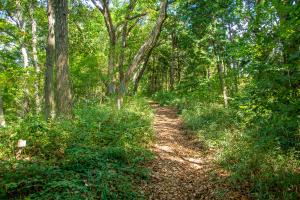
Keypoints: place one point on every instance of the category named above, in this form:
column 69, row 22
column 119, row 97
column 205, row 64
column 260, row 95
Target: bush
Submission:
column 259, row 148
column 99, row 154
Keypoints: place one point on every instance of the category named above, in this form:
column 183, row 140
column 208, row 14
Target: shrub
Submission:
column 98, row 154
column 258, row 147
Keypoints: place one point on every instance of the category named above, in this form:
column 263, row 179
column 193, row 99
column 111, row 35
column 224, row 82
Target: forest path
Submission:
column 181, row 170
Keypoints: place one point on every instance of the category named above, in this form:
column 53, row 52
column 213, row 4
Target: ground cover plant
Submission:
column 98, row 154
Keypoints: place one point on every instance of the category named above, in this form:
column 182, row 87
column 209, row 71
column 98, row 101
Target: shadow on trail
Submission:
column 183, row 170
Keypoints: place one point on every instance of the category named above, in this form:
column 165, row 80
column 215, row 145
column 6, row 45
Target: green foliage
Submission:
column 99, row 154
column 214, row 124
column 164, row 98
column 258, row 150
column 100, row 151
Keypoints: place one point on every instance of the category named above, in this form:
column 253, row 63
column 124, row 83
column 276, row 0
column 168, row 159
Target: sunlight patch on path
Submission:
column 180, row 171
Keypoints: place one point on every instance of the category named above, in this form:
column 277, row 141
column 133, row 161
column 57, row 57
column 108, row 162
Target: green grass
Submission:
column 97, row 155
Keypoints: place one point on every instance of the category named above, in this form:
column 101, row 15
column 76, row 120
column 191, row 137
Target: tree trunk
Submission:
column 104, row 9
column 121, row 89
column 50, row 61
column 208, row 78
column 232, row 60
column 236, row 77
column 111, row 68
column 35, row 59
column 63, row 90
column 220, row 66
column 22, row 27
column 145, row 48
column 140, row 74
column 222, row 81
column 122, row 53
column 178, row 68
column 150, row 42
column 2, row 119
column 173, row 62
column 26, row 89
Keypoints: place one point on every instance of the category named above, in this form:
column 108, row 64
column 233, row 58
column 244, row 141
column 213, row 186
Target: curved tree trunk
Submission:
column 150, row 42
column 140, row 74
column 103, row 7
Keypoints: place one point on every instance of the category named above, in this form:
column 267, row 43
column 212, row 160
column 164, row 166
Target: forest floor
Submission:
column 182, row 168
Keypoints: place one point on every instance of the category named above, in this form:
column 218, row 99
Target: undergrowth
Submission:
column 97, row 155
column 259, row 149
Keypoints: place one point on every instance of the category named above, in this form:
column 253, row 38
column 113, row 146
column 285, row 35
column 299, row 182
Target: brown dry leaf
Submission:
column 182, row 169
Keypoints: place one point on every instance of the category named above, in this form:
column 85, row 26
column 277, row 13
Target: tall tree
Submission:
column 21, row 23
column 63, row 90
column 103, row 7
column 140, row 74
column 35, row 56
column 50, row 62
column 145, row 50
column 148, row 45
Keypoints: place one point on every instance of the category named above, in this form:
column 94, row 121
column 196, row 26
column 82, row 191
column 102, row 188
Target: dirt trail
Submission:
column 181, row 169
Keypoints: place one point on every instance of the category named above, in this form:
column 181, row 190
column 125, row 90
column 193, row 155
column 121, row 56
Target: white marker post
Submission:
column 21, row 145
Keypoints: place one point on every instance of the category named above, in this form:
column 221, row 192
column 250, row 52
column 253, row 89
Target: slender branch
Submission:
column 137, row 16
column 98, row 5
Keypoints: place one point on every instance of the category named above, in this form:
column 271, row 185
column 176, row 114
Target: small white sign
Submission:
column 21, row 143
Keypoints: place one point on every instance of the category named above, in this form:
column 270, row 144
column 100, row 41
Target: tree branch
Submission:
column 104, row 9
column 98, row 5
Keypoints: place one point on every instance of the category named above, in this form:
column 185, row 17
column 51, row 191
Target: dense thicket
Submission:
column 231, row 67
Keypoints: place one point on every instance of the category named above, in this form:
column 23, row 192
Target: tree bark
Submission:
column 26, row 89
column 208, row 78
column 173, row 62
column 22, row 26
column 150, row 42
column 233, row 61
column 2, row 119
column 121, row 88
column 103, row 7
column 63, row 90
column 220, row 66
column 222, row 81
column 140, row 74
column 50, row 61
column 35, row 58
